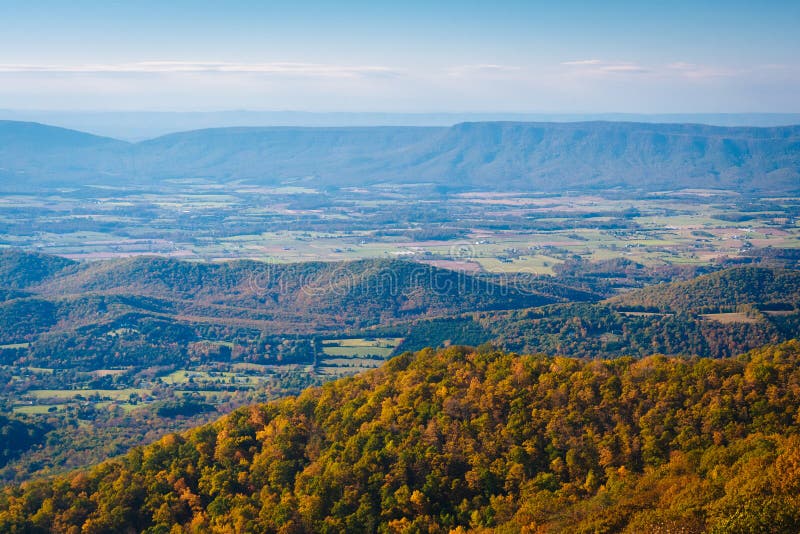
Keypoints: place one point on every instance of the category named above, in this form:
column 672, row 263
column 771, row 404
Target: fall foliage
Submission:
column 460, row 440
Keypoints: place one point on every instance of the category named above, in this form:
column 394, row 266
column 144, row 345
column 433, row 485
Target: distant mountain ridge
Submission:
column 483, row 156
column 140, row 125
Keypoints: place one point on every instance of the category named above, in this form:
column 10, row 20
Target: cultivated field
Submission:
column 507, row 232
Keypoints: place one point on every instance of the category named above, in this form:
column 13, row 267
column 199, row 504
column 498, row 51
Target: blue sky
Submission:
column 568, row 56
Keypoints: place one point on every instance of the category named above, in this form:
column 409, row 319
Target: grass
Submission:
column 36, row 409
column 354, row 355
column 261, row 368
column 728, row 318
column 341, row 371
column 350, row 356
column 364, row 342
column 184, row 376
column 209, row 395
column 644, row 314
column 529, row 264
column 113, row 394
column 109, row 372
column 125, row 406
column 176, row 377
column 360, row 347
column 358, row 351
column 15, row 346
column 351, row 362
column 41, row 370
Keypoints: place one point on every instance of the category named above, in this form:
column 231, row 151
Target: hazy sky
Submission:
column 402, row 56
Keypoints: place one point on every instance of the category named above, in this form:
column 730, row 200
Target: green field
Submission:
column 346, row 366
column 187, row 376
column 535, row 232
column 360, row 347
column 354, row 355
column 113, row 394
column 36, row 409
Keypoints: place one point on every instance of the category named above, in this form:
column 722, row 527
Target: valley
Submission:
column 320, row 267
column 138, row 311
column 154, row 345
column 476, row 231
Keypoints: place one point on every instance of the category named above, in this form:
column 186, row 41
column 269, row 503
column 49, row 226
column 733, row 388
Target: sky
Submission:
column 564, row 56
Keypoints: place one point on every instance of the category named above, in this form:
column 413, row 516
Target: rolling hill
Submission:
column 19, row 269
column 714, row 315
column 32, row 153
column 723, row 291
column 360, row 292
column 467, row 441
column 487, row 156
column 69, row 311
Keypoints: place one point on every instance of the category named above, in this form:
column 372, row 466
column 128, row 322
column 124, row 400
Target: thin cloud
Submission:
column 482, row 68
column 179, row 67
column 580, row 62
column 600, row 67
column 676, row 69
column 629, row 68
column 700, row 72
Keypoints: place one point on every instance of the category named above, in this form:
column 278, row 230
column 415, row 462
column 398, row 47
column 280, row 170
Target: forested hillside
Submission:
column 716, row 315
column 33, row 153
column 601, row 331
column 768, row 288
column 149, row 310
column 99, row 356
column 152, row 310
column 365, row 291
column 484, row 155
column 19, row 269
column 472, row 441
column 18, row 436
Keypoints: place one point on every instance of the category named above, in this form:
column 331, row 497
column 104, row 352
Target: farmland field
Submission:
column 509, row 232
column 359, row 347
column 731, row 317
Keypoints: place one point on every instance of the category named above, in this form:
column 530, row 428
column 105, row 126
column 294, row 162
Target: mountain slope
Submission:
column 768, row 288
column 335, row 156
column 70, row 313
column 600, row 331
column 686, row 318
column 20, row 269
column 359, row 292
column 32, row 152
column 466, row 440
column 602, row 155
column 540, row 156
column 488, row 156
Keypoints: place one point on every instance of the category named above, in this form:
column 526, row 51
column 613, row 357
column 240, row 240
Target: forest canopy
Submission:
column 467, row 439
